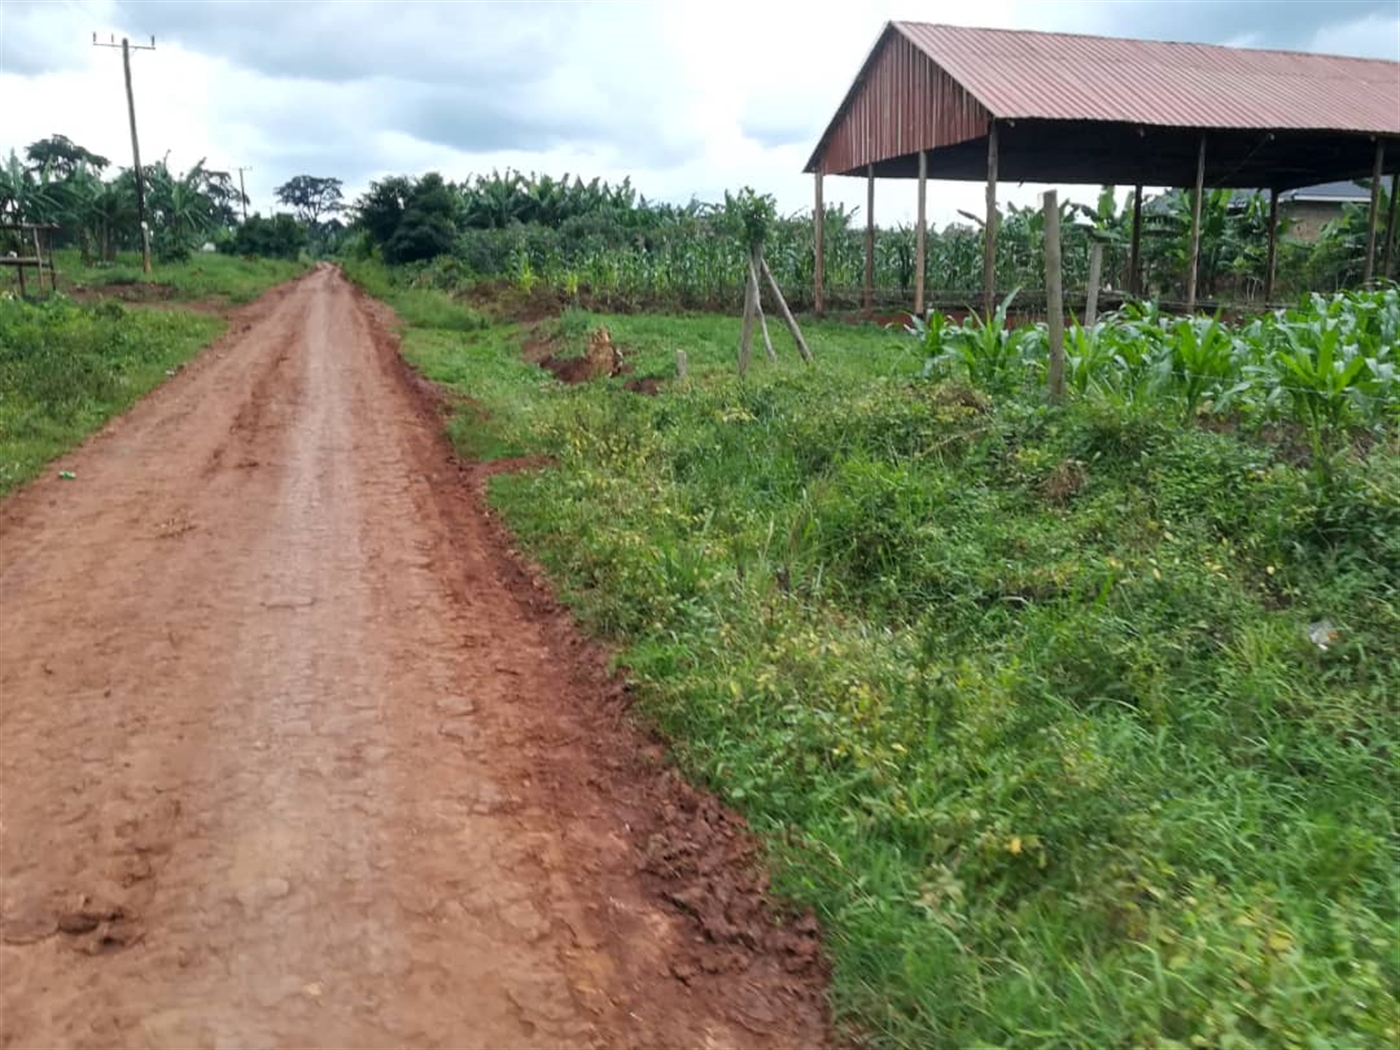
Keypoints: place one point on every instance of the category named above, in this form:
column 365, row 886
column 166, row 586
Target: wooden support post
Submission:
column 1271, row 266
column 1091, row 297
column 788, row 319
column 38, row 259
column 989, row 231
column 1054, row 297
column 746, row 333
column 758, row 306
column 1388, row 252
column 921, row 236
column 1135, row 252
column 869, row 299
column 819, row 261
column 1374, row 214
column 20, row 270
column 1196, row 228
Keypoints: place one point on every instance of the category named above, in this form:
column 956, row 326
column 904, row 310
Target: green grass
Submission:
column 65, row 369
column 202, row 276
column 1023, row 700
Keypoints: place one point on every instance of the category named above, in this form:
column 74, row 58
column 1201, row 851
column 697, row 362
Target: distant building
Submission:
column 1312, row 207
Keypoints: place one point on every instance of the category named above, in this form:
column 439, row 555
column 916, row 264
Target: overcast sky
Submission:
column 670, row 93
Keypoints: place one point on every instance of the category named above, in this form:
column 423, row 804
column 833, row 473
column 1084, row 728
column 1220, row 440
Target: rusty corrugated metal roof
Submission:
column 1060, row 76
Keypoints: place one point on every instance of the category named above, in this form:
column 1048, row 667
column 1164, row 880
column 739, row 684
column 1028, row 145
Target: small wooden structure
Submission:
column 950, row 102
column 35, row 237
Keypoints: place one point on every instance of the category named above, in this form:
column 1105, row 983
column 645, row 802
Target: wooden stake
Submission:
column 1135, row 252
column 682, row 365
column 783, row 309
column 1196, row 228
column 921, row 236
column 1272, row 265
column 1374, row 214
column 1091, row 298
column 989, row 231
column 1054, row 297
column 869, row 238
column 819, row 267
column 746, row 334
column 1388, row 253
column 758, row 306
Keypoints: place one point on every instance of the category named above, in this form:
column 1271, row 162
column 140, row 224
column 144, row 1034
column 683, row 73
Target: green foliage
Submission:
column 313, row 198
column 1024, row 700
column 65, row 369
column 280, row 237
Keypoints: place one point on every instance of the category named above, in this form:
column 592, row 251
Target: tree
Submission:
column 311, row 197
column 62, row 157
column 280, row 237
column 429, row 224
column 380, row 210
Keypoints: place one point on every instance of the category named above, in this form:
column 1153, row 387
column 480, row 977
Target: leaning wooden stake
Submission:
column 758, row 306
column 1195, row 261
column 787, row 314
column 1091, row 300
column 1054, row 297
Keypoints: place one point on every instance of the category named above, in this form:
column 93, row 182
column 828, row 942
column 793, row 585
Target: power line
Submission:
column 127, row 48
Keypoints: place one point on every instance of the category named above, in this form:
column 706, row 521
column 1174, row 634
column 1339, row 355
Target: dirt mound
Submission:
column 600, row 361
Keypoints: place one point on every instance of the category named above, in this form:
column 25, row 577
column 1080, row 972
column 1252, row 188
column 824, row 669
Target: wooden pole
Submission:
column 38, row 258
column 136, row 157
column 921, row 236
column 1196, row 228
column 1388, row 253
column 1054, row 297
column 746, row 334
column 1091, row 298
column 1135, row 252
column 1272, row 265
column 758, row 306
column 989, row 231
column 869, row 238
column 682, row 364
column 788, row 319
column 1374, row 214
column 819, row 266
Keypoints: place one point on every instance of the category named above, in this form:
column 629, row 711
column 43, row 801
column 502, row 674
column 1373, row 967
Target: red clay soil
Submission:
column 297, row 752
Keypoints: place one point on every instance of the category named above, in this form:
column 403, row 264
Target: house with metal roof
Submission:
column 960, row 103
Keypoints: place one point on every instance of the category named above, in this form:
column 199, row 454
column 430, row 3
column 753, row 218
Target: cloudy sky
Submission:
column 689, row 97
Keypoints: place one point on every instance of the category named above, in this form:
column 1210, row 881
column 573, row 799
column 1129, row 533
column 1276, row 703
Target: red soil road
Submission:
column 295, row 753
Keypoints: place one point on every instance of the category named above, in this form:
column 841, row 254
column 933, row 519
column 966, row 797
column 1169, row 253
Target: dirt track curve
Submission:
column 294, row 753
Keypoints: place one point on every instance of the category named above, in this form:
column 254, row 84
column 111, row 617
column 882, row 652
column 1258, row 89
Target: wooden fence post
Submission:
column 1091, row 298
column 1054, row 297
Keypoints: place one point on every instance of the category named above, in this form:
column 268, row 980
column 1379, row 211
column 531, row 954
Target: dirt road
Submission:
column 292, row 752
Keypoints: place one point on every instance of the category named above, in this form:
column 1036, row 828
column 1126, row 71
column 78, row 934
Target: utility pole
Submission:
column 243, row 194
column 127, row 48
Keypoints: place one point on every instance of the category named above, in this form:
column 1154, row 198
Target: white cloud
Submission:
column 688, row 97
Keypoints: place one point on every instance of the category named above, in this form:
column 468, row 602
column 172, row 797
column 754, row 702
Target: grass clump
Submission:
column 1028, row 703
column 65, row 369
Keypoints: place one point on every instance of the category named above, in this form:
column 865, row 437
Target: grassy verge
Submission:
column 65, row 369
column 202, row 276
column 1029, row 704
